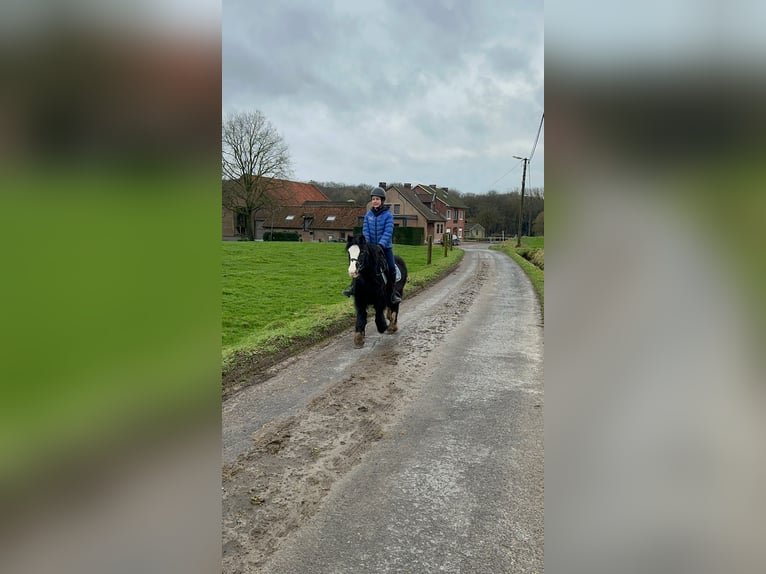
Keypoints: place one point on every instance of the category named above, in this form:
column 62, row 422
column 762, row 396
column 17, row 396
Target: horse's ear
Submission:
column 349, row 240
column 362, row 241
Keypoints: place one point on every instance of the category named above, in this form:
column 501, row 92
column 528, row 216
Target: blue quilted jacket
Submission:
column 379, row 227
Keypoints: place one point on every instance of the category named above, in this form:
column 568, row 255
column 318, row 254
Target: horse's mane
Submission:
column 377, row 256
column 377, row 259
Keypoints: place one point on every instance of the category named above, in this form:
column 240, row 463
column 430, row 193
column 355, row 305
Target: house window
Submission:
column 290, row 217
column 330, row 218
column 397, row 208
column 460, row 214
column 241, row 222
column 307, row 221
column 449, row 214
column 439, row 228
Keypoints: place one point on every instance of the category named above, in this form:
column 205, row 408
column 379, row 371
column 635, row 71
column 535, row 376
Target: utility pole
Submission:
column 521, row 204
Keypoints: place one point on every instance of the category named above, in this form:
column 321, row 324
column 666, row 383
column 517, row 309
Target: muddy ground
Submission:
column 293, row 462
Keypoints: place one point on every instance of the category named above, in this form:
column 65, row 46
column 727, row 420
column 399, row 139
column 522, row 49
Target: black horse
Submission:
column 368, row 267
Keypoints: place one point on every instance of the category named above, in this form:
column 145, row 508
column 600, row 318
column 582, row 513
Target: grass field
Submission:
column 275, row 293
column 533, row 242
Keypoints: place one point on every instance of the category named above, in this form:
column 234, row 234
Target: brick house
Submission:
column 317, row 220
column 284, row 192
column 437, row 200
column 409, row 211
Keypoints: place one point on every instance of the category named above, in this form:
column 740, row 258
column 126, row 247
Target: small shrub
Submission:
column 534, row 256
column 280, row 236
column 538, row 258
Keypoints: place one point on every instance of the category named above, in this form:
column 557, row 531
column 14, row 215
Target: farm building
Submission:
column 303, row 209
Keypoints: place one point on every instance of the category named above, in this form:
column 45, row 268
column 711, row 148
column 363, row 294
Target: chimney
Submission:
column 446, row 189
column 407, row 186
column 433, row 185
column 382, row 184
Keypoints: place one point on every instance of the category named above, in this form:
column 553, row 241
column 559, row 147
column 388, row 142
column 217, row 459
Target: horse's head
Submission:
column 356, row 248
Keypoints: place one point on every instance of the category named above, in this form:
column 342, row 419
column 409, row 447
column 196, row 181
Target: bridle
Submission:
column 359, row 260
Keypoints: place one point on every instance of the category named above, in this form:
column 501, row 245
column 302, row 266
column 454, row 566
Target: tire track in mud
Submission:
column 270, row 491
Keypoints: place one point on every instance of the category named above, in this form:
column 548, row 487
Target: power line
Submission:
column 506, row 173
column 539, row 129
column 529, row 159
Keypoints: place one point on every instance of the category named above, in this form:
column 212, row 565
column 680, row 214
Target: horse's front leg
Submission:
column 361, row 323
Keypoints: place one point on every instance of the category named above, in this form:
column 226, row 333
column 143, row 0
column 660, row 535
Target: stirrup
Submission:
column 395, row 298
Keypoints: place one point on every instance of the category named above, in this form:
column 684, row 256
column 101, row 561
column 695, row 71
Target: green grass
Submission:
column 535, row 274
column 533, row 242
column 277, row 293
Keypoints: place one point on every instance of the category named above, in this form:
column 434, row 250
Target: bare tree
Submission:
column 254, row 160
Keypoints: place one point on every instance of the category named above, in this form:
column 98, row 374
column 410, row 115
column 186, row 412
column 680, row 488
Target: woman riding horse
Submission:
column 378, row 229
column 369, row 273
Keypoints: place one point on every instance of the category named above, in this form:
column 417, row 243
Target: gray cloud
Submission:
column 436, row 90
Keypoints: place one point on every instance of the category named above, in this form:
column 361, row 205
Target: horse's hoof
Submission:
column 393, row 328
column 358, row 340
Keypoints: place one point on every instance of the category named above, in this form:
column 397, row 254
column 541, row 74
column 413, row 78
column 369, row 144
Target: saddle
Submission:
column 383, row 265
column 383, row 271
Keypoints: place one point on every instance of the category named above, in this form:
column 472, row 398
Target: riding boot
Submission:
column 351, row 289
column 395, row 296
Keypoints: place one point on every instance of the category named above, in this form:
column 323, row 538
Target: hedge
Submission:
column 281, row 236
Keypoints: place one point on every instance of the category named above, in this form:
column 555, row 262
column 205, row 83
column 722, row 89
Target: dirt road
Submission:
column 421, row 452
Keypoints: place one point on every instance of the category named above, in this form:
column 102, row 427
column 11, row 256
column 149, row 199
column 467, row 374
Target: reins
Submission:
column 359, row 260
column 377, row 258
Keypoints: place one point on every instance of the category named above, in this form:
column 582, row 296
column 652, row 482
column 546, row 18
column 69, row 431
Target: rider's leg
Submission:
column 395, row 295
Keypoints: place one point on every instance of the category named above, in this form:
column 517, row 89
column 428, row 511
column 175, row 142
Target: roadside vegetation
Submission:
column 531, row 257
column 279, row 297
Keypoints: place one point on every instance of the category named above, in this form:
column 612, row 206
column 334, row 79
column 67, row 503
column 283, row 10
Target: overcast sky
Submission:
column 421, row 91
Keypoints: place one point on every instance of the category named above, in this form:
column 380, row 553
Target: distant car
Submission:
column 455, row 240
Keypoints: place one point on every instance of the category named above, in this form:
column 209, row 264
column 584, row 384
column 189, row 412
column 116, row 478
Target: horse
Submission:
column 367, row 266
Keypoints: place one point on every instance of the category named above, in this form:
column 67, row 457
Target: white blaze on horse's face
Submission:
column 353, row 256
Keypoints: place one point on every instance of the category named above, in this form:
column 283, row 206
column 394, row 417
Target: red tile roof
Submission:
column 426, row 192
column 285, row 192
column 418, row 203
column 296, row 193
column 332, row 216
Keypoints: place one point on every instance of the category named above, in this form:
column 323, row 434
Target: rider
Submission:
column 378, row 229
